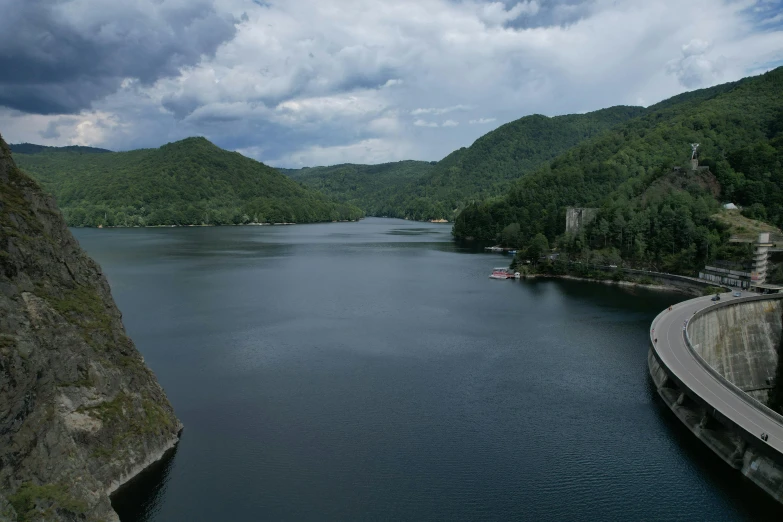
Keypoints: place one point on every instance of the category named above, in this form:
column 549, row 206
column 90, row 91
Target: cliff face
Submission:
column 80, row 412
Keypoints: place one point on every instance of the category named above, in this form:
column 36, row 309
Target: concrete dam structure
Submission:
column 741, row 342
column 713, row 364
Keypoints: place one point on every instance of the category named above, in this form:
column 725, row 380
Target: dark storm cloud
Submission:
column 309, row 82
column 60, row 56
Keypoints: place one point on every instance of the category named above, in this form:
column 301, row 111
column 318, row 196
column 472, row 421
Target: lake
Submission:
column 373, row 371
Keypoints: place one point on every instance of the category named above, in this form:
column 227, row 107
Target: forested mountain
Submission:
column 183, row 183
column 418, row 190
column 512, row 150
column 647, row 213
column 379, row 190
column 31, row 148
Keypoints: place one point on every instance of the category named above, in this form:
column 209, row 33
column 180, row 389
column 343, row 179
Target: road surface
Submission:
column 682, row 363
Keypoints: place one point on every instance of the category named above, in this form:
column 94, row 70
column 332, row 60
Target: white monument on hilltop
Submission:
column 694, row 156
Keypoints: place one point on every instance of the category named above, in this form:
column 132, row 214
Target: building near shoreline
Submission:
column 728, row 274
column 760, row 254
column 750, row 276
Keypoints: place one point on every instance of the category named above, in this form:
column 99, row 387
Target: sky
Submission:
column 298, row 83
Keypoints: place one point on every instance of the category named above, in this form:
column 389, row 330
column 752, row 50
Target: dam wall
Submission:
column 740, row 342
column 715, row 373
column 733, row 446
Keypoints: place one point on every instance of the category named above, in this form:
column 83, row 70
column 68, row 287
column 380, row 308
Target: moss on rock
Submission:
column 34, row 502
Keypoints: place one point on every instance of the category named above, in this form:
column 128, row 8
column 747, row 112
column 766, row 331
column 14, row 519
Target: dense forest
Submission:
column 32, row 148
column 190, row 182
column 650, row 214
column 379, row 190
column 512, row 185
column 423, row 191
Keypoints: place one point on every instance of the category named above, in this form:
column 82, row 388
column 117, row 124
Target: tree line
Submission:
column 648, row 213
column 190, row 182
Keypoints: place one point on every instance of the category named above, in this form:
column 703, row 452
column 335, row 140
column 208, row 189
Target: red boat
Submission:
column 501, row 273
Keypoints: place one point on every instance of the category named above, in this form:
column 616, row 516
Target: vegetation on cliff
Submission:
column 423, row 191
column 190, row 182
column 650, row 215
column 79, row 410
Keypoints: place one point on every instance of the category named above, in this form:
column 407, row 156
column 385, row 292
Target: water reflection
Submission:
column 139, row 498
column 354, row 372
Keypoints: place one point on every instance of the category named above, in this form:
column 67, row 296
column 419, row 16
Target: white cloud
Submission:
column 386, row 125
column 326, row 107
column 481, row 121
column 696, row 68
column 449, row 123
column 695, row 47
column 364, row 151
column 318, row 79
column 440, row 110
column 496, row 12
column 88, row 128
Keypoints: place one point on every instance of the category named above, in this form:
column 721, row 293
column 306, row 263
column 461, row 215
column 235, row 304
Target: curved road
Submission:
column 678, row 360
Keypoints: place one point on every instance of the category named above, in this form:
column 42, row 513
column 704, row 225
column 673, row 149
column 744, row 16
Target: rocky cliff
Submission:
column 80, row 413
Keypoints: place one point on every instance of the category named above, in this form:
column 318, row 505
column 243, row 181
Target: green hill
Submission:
column 487, row 167
column 189, row 182
column 32, row 148
column 421, row 191
column 740, row 128
column 376, row 189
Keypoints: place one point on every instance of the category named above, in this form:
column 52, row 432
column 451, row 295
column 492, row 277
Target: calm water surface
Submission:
column 372, row 371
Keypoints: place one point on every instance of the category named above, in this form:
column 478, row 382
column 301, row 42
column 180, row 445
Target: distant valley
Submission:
column 511, row 185
column 426, row 191
column 515, row 183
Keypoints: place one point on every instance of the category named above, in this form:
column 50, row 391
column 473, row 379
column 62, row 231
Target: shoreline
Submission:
column 660, row 288
column 435, row 222
column 145, row 463
column 223, row 225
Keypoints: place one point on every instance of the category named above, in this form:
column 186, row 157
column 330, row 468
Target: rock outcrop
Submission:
column 80, row 413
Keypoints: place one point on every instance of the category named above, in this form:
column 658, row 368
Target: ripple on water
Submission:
column 371, row 370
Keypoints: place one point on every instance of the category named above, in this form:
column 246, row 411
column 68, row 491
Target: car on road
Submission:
column 737, row 294
column 716, row 297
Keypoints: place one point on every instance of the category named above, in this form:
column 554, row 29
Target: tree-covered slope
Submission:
column 183, row 183
column 374, row 188
column 418, row 190
column 740, row 130
column 32, row 148
column 512, row 150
